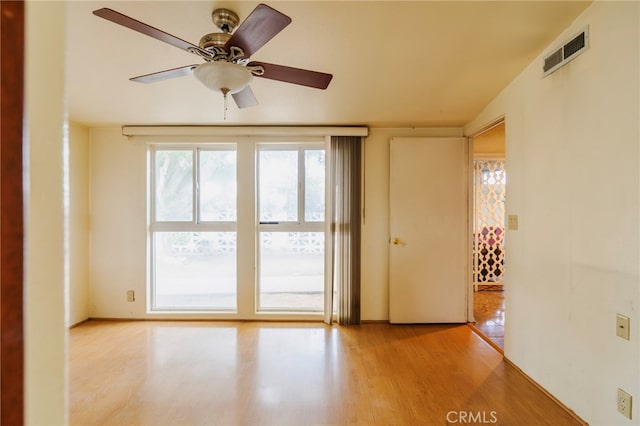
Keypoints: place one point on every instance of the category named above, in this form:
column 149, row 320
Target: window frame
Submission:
column 246, row 147
column 195, row 225
column 301, row 225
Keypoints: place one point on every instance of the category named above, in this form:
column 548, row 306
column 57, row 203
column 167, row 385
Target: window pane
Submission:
column 174, row 186
column 195, row 270
column 291, row 271
column 218, row 186
column 278, row 186
column 314, row 185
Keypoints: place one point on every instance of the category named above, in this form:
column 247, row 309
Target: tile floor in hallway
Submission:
column 488, row 311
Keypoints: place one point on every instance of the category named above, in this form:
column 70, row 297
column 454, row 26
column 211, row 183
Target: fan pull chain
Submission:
column 225, row 92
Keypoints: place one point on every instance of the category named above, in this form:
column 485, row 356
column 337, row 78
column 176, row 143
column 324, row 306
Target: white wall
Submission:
column 573, row 158
column 78, row 224
column 573, row 178
column 46, row 222
column 118, row 224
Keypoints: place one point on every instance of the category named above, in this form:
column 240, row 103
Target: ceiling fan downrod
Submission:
column 225, row 19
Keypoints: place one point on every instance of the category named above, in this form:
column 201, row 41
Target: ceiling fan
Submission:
column 227, row 67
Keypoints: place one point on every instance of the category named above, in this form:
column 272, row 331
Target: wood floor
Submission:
column 248, row 373
column 488, row 312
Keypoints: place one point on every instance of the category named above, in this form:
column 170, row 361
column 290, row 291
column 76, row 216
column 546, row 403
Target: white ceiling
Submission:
column 395, row 64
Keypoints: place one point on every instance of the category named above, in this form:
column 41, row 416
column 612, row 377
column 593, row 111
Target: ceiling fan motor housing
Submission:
column 225, row 19
column 214, row 40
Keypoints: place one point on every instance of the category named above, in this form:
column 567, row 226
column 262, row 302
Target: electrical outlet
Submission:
column 622, row 326
column 131, row 296
column 624, row 403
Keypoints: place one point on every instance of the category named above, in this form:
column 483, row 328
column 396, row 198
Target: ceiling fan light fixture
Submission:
column 227, row 69
column 223, row 77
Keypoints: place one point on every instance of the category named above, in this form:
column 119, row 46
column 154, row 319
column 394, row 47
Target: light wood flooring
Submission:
column 488, row 312
column 250, row 373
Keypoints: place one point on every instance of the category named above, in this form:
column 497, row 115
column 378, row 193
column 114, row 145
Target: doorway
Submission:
column 488, row 240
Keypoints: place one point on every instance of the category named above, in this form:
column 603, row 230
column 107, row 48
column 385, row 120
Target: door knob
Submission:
column 397, row 241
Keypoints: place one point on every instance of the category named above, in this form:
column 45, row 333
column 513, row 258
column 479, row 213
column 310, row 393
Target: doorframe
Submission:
column 301, row 225
column 470, row 211
column 12, row 215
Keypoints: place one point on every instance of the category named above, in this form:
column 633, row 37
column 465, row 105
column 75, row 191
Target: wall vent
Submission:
column 568, row 52
column 553, row 60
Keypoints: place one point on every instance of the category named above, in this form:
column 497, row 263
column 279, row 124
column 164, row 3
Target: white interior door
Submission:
column 428, row 265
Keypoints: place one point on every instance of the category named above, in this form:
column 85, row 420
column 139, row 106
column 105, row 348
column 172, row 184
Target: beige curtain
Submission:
column 345, row 176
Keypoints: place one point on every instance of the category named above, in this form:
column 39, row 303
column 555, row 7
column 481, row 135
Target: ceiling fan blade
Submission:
column 164, row 75
column 141, row 27
column 245, row 98
column 318, row 80
column 260, row 26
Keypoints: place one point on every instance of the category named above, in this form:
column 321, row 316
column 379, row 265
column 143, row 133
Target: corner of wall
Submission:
column 573, row 264
column 79, row 195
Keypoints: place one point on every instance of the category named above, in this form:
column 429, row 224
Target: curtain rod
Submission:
column 244, row 131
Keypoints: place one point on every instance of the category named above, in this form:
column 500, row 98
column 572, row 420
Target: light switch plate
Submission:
column 512, row 222
column 622, row 327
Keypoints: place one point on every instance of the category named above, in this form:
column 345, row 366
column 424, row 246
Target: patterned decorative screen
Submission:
column 489, row 222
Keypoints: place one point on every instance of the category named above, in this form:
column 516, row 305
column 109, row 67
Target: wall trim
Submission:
column 487, row 126
column 546, row 392
column 79, row 323
column 489, row 156
column 316, row 321
column 135, row 131
column 486, row 338
column 569, row 411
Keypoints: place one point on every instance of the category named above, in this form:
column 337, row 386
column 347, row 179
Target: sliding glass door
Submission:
column 196, row 193
column 291, row 211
